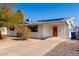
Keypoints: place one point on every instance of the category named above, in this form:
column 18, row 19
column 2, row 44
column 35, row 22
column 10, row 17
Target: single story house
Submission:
column 60, row 27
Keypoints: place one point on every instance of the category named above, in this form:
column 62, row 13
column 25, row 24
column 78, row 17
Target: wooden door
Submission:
column 55, row 31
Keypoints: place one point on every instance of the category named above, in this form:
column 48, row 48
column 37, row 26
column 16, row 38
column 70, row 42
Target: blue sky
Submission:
column 41, row 11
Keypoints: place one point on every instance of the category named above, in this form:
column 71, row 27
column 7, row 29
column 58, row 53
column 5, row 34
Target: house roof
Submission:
column 49, row 21
column 57, row 19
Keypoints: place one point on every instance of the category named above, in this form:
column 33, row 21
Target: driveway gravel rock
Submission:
column 66, row 48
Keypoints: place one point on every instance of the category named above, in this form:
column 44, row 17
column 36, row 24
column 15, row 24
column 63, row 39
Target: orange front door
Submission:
column 55, row 31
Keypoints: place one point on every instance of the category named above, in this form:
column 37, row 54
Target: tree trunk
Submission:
column 0, row 36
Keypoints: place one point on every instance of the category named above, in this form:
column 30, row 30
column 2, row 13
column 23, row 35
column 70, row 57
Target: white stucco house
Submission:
column 60, row 27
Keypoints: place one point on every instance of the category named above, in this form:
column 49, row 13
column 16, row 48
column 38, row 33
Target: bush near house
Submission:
column 24, row 33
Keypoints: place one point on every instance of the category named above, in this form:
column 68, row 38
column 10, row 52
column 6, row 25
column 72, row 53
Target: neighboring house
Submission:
column 61, row 27
column 8, row 31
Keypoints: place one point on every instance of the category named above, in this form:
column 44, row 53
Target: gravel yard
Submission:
column 66, row 48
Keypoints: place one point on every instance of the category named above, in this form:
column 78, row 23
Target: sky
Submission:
column 42, row 11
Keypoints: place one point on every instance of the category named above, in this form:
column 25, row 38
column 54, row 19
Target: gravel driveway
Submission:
column 66, row 48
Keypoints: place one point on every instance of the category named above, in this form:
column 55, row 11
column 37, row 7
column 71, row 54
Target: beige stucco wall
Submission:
column 70, row 22
column 12, row 33
column 3, row 30
column 6, row 31
column 38, row 34
column 46, row 30
column 63, row 30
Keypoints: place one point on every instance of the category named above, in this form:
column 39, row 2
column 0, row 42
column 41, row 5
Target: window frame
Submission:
column 34, row 28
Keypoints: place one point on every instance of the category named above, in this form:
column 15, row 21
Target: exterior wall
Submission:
column 60, row 30
column 34, row 34
column 11, row 33
column 63, row 30
column 6, row 31
column 3, row 30
column 70, row 23
column 47, row 30
column 44, row 30
column 38, row 34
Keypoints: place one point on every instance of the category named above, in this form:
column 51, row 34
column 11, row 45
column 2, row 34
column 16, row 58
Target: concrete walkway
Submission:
column 9, row 42
column 31, row 48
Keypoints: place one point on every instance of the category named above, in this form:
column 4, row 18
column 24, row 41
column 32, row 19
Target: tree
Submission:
column 11, row 19
column 6, row 16
column 20, row 26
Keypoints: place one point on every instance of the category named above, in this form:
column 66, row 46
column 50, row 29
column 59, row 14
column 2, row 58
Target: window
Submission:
column 12, row 28
column 34, row 28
